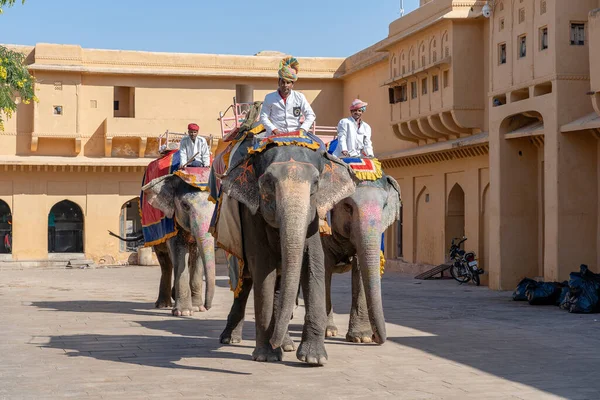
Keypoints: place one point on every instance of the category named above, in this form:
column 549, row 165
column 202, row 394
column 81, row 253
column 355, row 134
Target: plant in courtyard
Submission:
column 15, row 80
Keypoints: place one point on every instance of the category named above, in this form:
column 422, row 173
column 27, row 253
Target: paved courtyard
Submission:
column 93, row 333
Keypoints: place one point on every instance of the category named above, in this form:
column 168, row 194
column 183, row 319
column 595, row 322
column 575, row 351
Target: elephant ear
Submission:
column 391, row 211
column 160, row 194
column 337, row 181
column 241, row 184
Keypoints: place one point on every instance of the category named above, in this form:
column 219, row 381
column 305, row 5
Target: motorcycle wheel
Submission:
column 459, row 275
column 476, row 279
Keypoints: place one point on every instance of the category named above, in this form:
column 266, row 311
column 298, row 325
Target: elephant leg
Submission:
column 288, row 344
column 166, row 275
column 312, row 348
column 331, row 329
column 235, row 320
column 196, row 266
column 262, row 265
column 264, row 295
column 359, row 327
column 178, row 250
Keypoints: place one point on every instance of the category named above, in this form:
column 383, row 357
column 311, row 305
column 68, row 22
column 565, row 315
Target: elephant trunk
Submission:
column 200, row 216
column 207, row 252
column 368, row 251
column 293, row 207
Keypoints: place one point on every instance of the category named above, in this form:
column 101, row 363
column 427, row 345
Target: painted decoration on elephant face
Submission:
column 366, row 169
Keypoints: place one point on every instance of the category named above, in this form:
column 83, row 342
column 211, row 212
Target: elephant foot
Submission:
column 183, row 310
column 312, row 352
column 331, row 331
column 199, row 305
column 163, row 303
column 288, row 344
column 267, row 354
column 360, row 336
column 230, row 337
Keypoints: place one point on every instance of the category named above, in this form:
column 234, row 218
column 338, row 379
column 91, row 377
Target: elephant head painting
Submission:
column 282, row 191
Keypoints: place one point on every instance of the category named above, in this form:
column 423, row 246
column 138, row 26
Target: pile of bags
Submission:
column 581, row 294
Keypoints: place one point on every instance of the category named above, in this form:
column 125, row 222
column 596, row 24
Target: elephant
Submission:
column 191, row 251
column 357, row 225
column 282, row 192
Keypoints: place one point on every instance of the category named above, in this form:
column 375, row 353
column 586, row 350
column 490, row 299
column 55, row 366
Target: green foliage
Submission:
column 8, row 3
column 15, row 80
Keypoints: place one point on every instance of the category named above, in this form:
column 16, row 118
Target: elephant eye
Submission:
column 315, row 186
column 348, row 208
column 185, row 206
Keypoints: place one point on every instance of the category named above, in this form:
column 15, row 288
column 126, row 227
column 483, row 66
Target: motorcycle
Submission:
column 464, row 267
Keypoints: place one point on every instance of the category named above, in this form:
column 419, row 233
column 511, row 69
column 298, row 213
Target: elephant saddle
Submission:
column 365, row 169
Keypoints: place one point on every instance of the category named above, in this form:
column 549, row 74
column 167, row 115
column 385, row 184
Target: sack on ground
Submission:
column 520, row 293
column 543, row 293
column 584, row 292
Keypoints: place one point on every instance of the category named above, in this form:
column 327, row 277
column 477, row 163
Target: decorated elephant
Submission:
column 183, row 198
column 357, row 225
column 280, row 190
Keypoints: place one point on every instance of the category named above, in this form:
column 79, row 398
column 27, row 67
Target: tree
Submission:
column 8, row 3
column 15, row 80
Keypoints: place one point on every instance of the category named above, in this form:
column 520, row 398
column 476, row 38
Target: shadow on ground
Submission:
column 539, row 346
column 100, row 306
column 146, row 350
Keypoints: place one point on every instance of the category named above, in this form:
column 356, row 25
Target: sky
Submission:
column 305, row 28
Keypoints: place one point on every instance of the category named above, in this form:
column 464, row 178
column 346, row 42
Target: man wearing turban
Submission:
column 281, row 110
column 195, row 148
column 354, row 134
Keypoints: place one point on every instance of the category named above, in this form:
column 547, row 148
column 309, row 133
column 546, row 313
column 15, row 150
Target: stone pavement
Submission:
column 94, row 334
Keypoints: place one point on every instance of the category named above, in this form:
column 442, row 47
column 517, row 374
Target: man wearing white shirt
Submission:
column 354, row 134
column 192, row 144
column 281, row 110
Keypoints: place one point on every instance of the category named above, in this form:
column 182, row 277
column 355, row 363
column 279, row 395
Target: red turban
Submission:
column 193, row 127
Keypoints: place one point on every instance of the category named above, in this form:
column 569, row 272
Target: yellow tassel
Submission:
column 312, row 146
column 161, row 240
column 381, row 263
column 324, row 228
column 257, row 129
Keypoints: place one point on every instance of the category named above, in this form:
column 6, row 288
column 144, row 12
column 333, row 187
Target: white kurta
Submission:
column 285, row 116
column 353, row 139
column 187, row 149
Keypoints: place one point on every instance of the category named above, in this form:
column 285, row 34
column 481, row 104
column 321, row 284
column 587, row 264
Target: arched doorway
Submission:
column 130, row 224
column 425, row 243
column 485, row 228
column 65, row 228
column 455, row 216
column 5, row 228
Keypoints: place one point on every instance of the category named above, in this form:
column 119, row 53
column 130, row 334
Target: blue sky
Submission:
column 319, row 28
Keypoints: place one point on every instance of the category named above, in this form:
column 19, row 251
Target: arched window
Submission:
column 130, row 224
column 403, row 62
column 5, row 228
column 422, row 55
column 445, row 45
column 65, row 228
column 394, row 67
column 433, row 50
